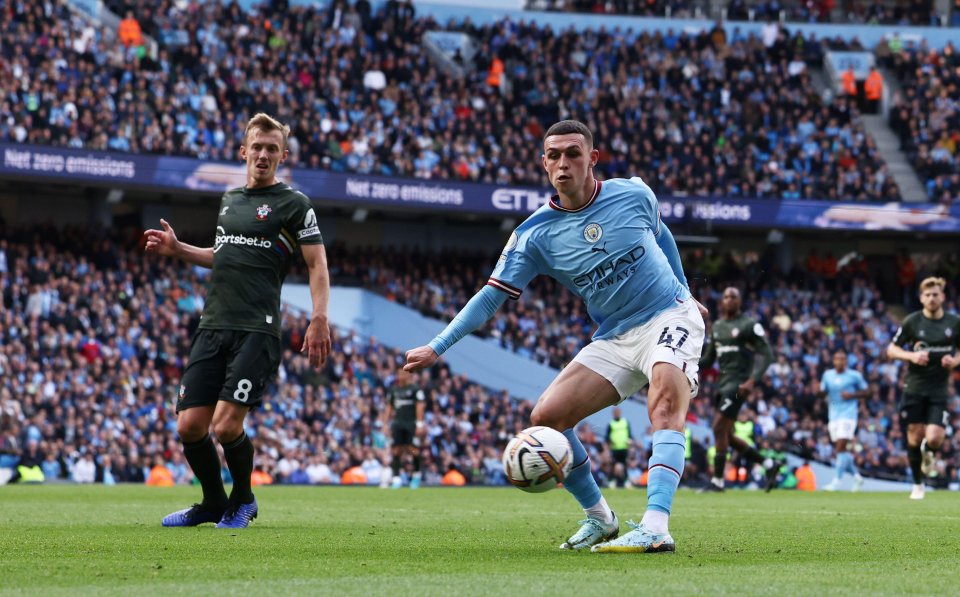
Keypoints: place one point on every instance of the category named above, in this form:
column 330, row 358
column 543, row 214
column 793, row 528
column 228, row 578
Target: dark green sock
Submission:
column 753, row 456
column 915, row 458
column 239, row 455
column 203, row 459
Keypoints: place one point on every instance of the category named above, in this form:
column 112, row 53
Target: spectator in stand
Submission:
column 130, row 33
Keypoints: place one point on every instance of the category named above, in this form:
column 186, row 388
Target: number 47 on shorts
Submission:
column 673, row 338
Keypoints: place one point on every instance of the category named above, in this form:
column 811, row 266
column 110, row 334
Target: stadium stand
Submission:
column 926, row 115
column 95, row 336
column 693, row 115
column 817, row 11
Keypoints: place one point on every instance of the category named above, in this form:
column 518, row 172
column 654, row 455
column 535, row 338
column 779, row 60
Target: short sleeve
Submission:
column 302, row 222
column 648, row 204
column 516, row 266
column 421, row 397
column 861, row 382
column 904, row 333
column 823, row 382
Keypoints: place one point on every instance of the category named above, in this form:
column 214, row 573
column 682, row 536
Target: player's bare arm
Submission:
column 919, row 357
column 164, row 242
column 316, row 343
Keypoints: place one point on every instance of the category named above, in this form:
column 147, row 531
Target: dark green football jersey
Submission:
column 734, row 342
column 938, row 336
column 404, row 402
column 258, row 232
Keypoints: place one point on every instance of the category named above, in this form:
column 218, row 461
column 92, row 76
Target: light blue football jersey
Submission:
column 606, row 253
column 834, row 384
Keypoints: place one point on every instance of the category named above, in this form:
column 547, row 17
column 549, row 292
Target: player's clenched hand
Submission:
column 420, row 358
column 950, row 361
column 921, row 358
column 162, row 242
column 317, row 342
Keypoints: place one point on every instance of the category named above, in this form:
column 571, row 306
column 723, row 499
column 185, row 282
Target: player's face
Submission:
column 730, row 301
column 568, row 160
column 263, row 151
column 932, row 298
column 840, row 361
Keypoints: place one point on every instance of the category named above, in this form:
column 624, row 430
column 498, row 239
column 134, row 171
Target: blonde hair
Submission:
column 265, row 123
column 931, row 282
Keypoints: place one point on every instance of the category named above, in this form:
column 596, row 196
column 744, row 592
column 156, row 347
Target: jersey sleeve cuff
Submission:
column 512, row 292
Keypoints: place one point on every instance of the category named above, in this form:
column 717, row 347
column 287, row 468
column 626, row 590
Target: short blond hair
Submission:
column 931, row 282
column 266, row 123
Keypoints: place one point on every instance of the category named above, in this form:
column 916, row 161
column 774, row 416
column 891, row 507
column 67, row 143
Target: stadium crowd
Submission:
column 809, row 11
column 692, row 114
column 95, row 336
column 927, row 114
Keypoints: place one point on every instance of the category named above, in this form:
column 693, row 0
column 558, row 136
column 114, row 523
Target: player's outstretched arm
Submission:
column 164, row 242
column 474, row 314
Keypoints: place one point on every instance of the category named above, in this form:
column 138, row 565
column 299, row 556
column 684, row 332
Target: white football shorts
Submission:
column 674, row 336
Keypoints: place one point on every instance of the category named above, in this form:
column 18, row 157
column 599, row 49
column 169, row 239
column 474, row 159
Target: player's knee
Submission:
column 546, row 417
column 190, row 429
column 227, row 430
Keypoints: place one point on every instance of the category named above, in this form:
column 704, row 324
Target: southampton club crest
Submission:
column 263, row 211
column 592, row 233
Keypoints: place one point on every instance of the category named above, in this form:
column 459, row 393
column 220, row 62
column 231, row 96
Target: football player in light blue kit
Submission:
column 604, row 241
column 843, row 387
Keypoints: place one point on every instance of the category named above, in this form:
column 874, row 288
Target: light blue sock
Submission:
column 580, row 481
column 666, row 468
column 852, row 465
column 838, row 467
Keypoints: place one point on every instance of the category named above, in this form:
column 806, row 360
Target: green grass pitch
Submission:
column 67, row 540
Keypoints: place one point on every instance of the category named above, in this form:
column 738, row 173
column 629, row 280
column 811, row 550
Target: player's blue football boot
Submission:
column 238, row 516
column 592, row 532
column 192, row 516
column 639, row 540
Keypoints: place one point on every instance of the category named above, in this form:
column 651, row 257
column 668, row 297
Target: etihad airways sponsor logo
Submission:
column 238, row 239
column 613, row 270
column 519, row 199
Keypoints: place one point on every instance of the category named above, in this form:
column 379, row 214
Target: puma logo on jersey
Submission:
column 224, row 210
column 602, row 249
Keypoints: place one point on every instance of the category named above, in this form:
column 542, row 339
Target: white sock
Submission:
column 718, row 481
column 600, row 511
column 655, row 521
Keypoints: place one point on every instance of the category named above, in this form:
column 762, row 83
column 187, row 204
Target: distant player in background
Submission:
column 933, row 336
column 236, row 349
column 618, row 438
column 605, row 242
column 406, row 403
column 736, row 340
column 843, row 388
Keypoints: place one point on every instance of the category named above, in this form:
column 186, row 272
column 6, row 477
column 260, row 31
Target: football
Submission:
column 537, row 459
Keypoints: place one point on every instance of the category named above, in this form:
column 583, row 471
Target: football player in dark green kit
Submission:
column 236, row 350
column 933, row 336
column 735, row 339
column 406, row 404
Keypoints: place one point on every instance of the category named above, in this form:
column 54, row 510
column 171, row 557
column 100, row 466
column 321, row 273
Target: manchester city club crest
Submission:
column 592, row 233
column 263, row 211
